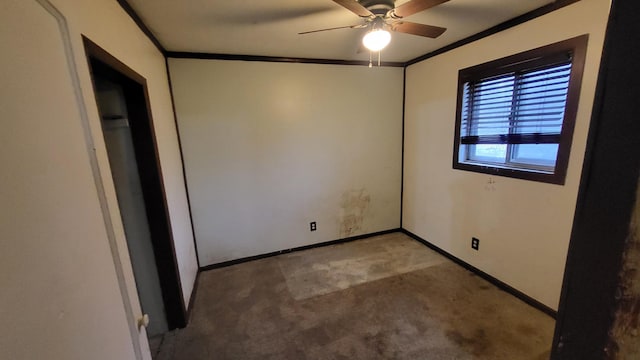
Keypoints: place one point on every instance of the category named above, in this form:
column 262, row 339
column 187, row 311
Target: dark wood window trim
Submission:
column 576, row 47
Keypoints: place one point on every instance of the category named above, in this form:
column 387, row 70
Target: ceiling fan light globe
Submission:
column 376, row 40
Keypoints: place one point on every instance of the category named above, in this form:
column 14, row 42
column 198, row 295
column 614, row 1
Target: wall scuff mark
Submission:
column 624, row 335
column 353, row 208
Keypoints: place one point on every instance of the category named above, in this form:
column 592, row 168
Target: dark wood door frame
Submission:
column 606, row 197
column 103, row 64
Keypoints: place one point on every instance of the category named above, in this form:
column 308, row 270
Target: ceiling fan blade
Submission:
column 354, row 7
column 417, row 29
column 414, row 6
column 334, row 28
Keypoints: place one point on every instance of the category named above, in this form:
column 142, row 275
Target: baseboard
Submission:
column 501, row 285
column 300, row 248
column 192, row 299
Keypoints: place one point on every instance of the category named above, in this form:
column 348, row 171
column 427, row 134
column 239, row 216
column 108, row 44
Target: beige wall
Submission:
column 62, row 292
column 270, row 147
column 523, row 226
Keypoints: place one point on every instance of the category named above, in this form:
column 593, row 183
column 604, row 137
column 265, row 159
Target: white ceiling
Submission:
column 270, row 27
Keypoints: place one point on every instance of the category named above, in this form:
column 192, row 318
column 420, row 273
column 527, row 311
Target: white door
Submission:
column 64, row 278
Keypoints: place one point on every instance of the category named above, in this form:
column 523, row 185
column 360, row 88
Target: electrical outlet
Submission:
column 312, row 226
column 475, row 243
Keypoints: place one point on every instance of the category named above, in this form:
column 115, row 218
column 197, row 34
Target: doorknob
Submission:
column 143, row 321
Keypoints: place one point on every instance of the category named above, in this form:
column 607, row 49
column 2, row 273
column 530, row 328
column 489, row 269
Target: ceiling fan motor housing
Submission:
column 383, row 15
column 378, row 7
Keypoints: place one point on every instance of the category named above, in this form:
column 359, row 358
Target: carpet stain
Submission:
column 477, row 343
column 326, row 270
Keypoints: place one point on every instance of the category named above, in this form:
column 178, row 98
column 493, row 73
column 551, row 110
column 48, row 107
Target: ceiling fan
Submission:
column 380, row 16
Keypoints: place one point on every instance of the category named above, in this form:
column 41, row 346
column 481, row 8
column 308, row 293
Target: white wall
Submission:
column 523, row 226
column 60, row 295
column 270, row 147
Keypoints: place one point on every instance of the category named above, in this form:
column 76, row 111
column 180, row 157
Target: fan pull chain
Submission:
column 371, row 58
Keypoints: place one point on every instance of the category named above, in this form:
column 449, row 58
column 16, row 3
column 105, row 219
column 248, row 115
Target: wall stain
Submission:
column 624, row 335
column 353, row 208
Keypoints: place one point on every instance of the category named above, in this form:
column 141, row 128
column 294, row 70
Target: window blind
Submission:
column 523, row 107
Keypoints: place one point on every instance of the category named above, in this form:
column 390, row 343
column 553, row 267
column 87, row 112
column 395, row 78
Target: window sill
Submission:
column 518, row 173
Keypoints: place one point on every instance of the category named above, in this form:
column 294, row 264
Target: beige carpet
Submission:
column 387, row 297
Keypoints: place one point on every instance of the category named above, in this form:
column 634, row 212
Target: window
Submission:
column 515, row 116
